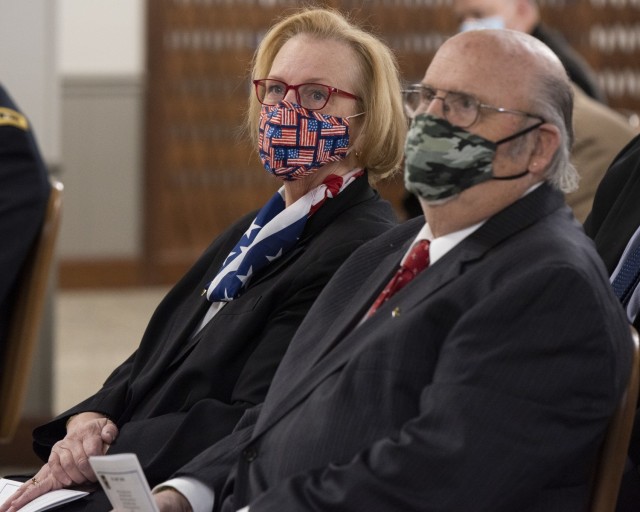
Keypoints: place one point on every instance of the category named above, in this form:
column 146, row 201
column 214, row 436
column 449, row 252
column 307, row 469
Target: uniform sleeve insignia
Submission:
column 9, row 117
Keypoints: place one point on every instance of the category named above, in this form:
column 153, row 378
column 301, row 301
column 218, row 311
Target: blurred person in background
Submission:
column 524, row 16
column 599, row 134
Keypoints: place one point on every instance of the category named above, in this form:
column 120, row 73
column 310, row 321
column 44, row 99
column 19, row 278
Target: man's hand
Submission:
column 88, row 434
column 170, row 500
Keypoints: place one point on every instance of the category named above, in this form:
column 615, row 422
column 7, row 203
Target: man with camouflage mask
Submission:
column 487, row 381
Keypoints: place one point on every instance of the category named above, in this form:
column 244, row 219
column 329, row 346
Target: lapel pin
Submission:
column 396, row 312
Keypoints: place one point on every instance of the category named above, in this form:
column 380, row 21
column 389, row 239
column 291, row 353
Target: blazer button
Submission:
column 249, row 454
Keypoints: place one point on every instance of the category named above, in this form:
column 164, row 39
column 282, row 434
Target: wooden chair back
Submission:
column 613, row 453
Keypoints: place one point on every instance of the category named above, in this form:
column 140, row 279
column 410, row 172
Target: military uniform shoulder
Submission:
column 10, row 117
column 9, row 114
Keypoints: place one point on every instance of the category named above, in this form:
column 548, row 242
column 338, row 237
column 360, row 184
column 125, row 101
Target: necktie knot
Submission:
column 418, row 258
column 415, row 262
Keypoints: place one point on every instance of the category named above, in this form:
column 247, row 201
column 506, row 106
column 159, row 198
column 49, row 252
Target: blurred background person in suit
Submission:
column 599, row 134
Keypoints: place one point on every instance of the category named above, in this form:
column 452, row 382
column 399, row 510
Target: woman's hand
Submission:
column 88, row 434
column 40, row 484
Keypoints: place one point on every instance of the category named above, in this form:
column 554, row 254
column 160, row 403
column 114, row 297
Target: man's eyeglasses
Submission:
column 458, row 108
column 309, row 96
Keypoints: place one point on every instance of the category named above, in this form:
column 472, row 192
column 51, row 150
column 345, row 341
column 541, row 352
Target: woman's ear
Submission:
column 545, row 148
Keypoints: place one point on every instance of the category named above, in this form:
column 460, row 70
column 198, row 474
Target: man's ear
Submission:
column 523, row 8
column 547, row 143
column 526, row 15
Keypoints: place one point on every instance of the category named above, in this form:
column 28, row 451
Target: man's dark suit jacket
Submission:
column 24, row 190
column 175, row 395
column 486, row 384
column 614, row 219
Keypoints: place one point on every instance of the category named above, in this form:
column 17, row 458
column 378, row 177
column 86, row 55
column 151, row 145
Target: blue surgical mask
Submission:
column 480, row 23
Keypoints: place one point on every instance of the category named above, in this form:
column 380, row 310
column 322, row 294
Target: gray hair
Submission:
column 553, row 100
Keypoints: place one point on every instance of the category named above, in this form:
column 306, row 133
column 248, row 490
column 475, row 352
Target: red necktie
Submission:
column 415, row 262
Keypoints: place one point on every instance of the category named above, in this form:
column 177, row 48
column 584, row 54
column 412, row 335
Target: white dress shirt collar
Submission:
column 443, row 244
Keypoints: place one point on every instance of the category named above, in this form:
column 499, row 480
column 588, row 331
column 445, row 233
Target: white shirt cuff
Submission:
column 199, row 496
column 245, row 509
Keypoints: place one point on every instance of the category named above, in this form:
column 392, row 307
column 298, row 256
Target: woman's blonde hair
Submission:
column 380, row 142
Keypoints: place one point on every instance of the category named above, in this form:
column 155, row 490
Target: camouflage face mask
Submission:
column 442, row 160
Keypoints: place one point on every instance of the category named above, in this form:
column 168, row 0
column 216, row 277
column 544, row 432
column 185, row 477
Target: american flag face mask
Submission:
column 294, row 141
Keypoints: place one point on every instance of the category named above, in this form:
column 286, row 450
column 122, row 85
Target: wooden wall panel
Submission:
column 201, row 175
column 607, row 34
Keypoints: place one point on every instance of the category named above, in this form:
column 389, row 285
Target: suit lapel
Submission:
column 306, row 361
column 348, row 336
column 183, row 308
column 359, row 304
column 345, row 337
column 184, row 333
column 169, row 353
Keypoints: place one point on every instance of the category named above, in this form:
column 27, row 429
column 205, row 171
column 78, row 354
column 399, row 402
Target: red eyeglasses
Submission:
column 309, row 96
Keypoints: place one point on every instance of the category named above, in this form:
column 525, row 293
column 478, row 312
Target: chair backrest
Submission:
column 26, row 318
column 613, row 453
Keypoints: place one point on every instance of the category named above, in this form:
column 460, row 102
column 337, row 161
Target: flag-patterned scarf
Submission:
column 273, row 232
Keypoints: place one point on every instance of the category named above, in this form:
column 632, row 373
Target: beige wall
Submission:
column 100, row 64
column 99, row 37
column 102, row 167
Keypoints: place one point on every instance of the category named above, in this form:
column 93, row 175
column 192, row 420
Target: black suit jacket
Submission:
column 615, row 215
column 24, row 190
column 614, row 219
column 485, row 384
column 175, row 395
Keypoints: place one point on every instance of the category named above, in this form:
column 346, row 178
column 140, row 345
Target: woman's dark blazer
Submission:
column 176, row 394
